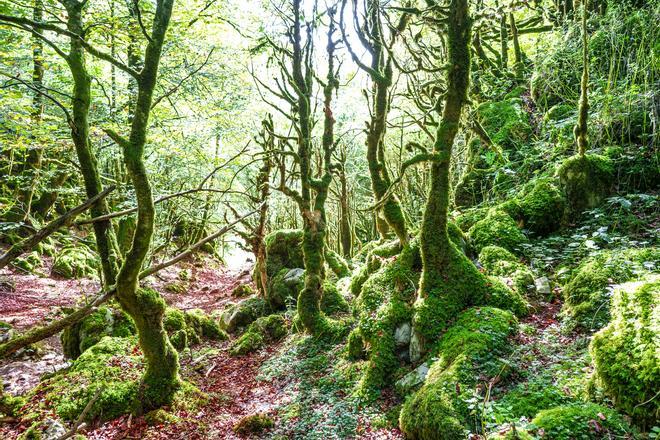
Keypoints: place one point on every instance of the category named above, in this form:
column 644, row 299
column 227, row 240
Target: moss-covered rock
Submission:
column 266, row 329
column 585, row 181
column 626, row 352
column 581, row 420
column 28, row 262
column 541, row 208
column 497, row 228
column 337, row 264
column 506, row 123
column 385, row 301
column 106, row 321
column 187, row 328
column 587, row 292
column 499, row 262
column 332, row 302
column 75, row 262
column 283, row 250
column 238, row 316
column 253, row 424
column 468, row 217
column 470, row 351
column 242, row 291
column 112, row 367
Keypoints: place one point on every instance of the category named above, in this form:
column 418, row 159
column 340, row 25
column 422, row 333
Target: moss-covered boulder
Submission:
column 112, row 367
column 242, row 291
column 237, row 317
column 506, row 122
column 264, row 330
column 337, row 264
column 253, row 424
column 585, row 181
column 540, row 208
column 581, row 420
column 626, row 353
column 587, row 293
column 465, row 219
column 283, row 250
column 106, row 321
column 75, row 262
column 469, row 352
column 29, row 262
column 499, row 262
column 497, row 228
column 187, row 328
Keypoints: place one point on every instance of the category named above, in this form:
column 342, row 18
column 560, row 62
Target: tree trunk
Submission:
column 146, row 307
column 583, row 108
column 105, row 240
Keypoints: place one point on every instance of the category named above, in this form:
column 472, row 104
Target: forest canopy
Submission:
column 339, row 218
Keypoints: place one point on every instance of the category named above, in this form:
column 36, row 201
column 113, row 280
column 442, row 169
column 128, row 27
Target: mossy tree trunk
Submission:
column 381, row 73
column 314, row 184
column 80, row 103
column 435, row 246
column 146, row 307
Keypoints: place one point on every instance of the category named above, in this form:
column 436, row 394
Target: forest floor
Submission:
column 237, row 386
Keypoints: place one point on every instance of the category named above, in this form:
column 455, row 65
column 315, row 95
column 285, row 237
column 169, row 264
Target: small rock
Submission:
column 53, row 430
column 413, row 379
column 543, row 286
column 402, row 335
column 294, row 277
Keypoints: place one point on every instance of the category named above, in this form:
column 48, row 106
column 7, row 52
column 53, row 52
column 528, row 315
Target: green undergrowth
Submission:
column 319, row 403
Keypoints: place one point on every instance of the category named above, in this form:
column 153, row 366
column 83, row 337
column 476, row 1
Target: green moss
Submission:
column 239, row 316
column 499, row 262
column 10, row 405
column 587, row 294
column 186, row 329
column 337, row 263
column 106, row 321
column 266, row 329
column 585, row 181
column 28, row 262
column 470, row 351
column 541, row 208
column 242, row 290
column 253, row 424
column 581, row 420
column 462, row 285
column 283, row 249
column 497, row 228
column 332, row 302
column 384, row 303
column 625, row 352
column 467, row 218
column 159, row 417
column 111, row 367
column 355, row 345
column 75, row 262
column 506, row 123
